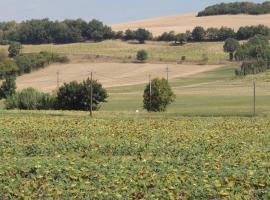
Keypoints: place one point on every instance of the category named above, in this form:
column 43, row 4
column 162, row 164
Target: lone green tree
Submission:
column 77, row 96
column 14, row 49
column 142, row 55
column 158, row 96
column 230, row 46
column 8, row 87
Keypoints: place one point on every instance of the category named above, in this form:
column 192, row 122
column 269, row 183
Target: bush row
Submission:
column 25, row 63
column 70, row 96
column 236, row 8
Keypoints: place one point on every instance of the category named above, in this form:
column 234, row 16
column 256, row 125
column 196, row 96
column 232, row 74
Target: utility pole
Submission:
column 254, row 98
column 150, row 92
column 91, row 95
column 167, row 71
column 254, row 93
column 58, row 80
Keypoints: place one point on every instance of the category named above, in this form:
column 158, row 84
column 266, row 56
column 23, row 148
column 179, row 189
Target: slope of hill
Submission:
column 182, row 23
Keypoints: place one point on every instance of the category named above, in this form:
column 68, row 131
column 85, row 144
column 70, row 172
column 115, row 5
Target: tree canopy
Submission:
column 236, row 8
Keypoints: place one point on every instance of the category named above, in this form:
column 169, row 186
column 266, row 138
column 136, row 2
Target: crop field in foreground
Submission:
column 54, row 155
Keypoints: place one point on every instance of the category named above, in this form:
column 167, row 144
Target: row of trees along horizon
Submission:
column 71, row 31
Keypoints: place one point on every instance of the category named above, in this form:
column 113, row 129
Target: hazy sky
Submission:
column 109, row 11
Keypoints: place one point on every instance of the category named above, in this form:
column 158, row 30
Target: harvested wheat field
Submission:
column 109, row 74
column 182, row 23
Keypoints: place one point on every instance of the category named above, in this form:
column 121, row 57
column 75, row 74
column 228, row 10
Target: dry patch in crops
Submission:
column 181, row 23
column 109, row 74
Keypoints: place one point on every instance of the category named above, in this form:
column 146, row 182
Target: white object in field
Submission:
column 137, row 111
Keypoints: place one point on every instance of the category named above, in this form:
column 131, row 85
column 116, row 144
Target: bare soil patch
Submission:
column 109, row 74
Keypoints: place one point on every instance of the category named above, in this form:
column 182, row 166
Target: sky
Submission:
column 108, row 11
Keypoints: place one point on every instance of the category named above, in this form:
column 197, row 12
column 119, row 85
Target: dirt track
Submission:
column 109, row 74
column 182, row 23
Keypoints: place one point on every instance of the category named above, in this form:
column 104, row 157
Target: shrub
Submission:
column 8, row 67
column 14, row 49
column 230, row 46
column 8, row 87
column 30, row 99
column 35, row 61
column 161, row 95
column 142, row 55
column 76, row 96
column 142, row 35
column 198, row 33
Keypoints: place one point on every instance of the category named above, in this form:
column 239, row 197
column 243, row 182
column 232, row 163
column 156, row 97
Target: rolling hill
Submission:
column 182, row 23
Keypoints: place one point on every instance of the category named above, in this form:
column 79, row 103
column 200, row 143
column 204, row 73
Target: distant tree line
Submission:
column 46, row 31
column 68, row 31
column 236, row 8
column 215, row 34
column 71, row 31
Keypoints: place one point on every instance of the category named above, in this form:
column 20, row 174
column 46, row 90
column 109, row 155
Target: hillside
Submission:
column 182, row 23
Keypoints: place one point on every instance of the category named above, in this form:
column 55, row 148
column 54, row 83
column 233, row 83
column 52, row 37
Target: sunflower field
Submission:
column 44, row 156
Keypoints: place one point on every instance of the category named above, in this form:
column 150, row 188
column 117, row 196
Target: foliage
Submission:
column 142, row 55
column 256, row 56
column 236, row 8
column 198, row 33
column 161, row 95
column 230, row 46
column 247, row 32
column 77, row 96
column 8, row 87
column 181, row 38
column 46, row 31
column 8, row 67
column 30, row 99
column 46, row 156
column 142, row 35
column 14, row 49
column 217, row 34
column 34, row 61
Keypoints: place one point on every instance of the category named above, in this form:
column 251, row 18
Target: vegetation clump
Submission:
column 142, row 55
column 230, row 46
column 77, row 96
column 158, row 95
column 236, row 8
column 255, row 55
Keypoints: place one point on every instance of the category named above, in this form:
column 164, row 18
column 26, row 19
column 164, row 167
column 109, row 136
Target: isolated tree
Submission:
column 8, row 87
column 231, row 46
column 198, row 33
column 142, row 55
column 14, row 49
column 77, row 96
column 142, row 35
column 160, row 97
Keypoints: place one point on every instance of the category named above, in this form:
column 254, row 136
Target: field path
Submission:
column 109, row 74
column 182, row 23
